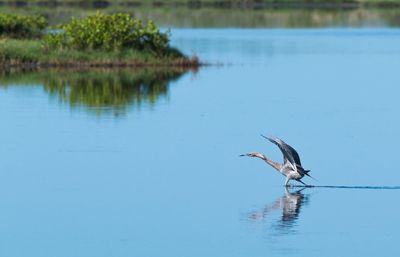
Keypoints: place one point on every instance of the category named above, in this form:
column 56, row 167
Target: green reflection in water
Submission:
column 101, row 91
column 232, row 17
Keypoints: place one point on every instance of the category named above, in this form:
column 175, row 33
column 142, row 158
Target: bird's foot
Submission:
column 294, row 186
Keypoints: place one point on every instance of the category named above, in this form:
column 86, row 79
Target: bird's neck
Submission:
column 275, row 165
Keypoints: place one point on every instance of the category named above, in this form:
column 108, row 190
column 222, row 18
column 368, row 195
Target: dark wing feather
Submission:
column 288, row 152
column 295, row 155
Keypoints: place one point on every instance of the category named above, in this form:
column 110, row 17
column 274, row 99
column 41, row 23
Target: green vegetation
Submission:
column 202, row 3
column 16, row 26
column 97, row 40
column 109, row 32
column 31, row 53
column 101, row 91
column 227, row 17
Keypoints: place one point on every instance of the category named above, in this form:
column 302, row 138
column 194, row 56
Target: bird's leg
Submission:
column 303, row 183
column 287, row 182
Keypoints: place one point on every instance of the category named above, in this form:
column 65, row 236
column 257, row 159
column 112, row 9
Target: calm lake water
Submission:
column 153, row 168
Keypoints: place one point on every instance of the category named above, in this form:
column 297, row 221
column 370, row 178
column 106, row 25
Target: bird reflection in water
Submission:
column 290, row 204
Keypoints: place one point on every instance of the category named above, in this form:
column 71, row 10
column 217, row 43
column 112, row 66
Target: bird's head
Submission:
column 253, row 154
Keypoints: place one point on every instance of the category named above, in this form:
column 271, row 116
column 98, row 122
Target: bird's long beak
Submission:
column 243, row 155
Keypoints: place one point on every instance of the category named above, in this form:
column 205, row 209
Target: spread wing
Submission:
column 289, row 154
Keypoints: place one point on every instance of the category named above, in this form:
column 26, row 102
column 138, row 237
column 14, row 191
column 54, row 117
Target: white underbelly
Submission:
column 291, row 174
column 295, row 175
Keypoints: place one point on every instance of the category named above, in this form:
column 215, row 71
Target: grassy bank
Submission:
column 32, row 54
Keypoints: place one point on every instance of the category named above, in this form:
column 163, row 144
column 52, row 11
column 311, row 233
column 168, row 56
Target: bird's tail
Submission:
column 308, row 175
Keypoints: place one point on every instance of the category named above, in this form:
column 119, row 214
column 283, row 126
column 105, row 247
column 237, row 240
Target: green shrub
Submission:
column 109, row 32
column 16, row 26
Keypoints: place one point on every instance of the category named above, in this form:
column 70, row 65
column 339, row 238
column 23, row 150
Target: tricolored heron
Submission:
column 291, row 167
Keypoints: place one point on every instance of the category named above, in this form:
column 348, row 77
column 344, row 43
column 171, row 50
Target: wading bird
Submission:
column 291, row 167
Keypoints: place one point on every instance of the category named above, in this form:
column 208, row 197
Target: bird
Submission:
column 290, row 168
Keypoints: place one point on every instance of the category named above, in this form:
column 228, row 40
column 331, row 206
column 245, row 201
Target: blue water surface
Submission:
column 167, row 179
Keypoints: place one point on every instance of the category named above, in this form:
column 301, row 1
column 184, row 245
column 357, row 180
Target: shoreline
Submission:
column 184, row 63
column 31, row 54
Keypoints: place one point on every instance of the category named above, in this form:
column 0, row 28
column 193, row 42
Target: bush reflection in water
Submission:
column 101, row 91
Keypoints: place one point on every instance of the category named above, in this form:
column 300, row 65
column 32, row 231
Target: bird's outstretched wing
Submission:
column 288, row 152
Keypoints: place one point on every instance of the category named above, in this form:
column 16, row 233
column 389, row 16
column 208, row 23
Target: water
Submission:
column 163, row 177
